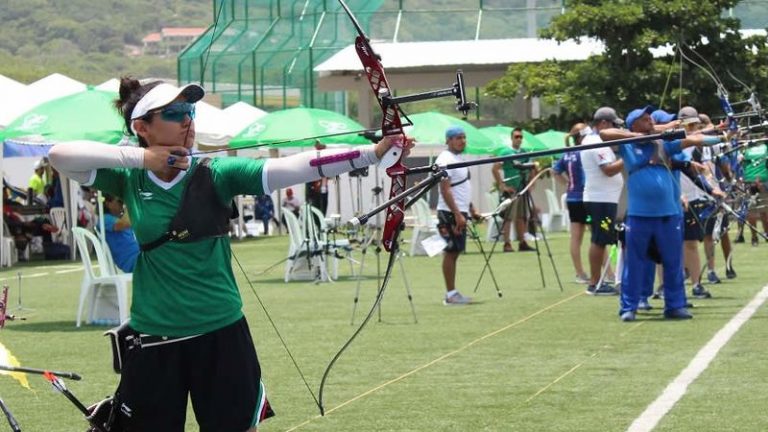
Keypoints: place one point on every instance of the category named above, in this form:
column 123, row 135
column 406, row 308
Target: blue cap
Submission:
column 636, row 114
column 662, row 117
column 454, row 131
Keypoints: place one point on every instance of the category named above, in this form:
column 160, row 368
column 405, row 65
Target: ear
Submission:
column 141, row 127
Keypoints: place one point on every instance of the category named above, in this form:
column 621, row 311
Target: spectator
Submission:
column 119, row 235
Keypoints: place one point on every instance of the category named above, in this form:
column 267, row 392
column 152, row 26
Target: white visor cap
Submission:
column 162, row 95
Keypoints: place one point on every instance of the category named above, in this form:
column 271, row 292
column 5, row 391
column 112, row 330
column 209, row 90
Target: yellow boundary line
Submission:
column 439, row 359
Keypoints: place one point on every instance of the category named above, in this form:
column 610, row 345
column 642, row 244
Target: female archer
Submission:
column 194, row 340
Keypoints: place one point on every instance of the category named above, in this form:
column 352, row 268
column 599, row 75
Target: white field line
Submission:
column 648, row 420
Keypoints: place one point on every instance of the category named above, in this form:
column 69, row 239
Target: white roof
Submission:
column 463, row 53
column 456, row 54
column 51, row 87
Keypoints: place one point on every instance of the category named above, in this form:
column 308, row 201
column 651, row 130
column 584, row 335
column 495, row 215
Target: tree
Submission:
column 627, row 75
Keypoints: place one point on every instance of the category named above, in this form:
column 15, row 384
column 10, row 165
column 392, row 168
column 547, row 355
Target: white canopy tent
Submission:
column 10, row 86
column 51, row 87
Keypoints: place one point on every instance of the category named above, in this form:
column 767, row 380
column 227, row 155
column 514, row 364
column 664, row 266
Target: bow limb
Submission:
column 391, row 126
column 530, row 183
column 379, row 295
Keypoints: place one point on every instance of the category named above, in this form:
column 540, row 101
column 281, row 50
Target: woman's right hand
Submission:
column 156, row 158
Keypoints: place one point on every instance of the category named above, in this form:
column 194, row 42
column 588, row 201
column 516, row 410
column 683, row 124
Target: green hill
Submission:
column 88, row 39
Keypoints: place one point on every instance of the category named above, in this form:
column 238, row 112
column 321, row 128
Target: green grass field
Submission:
column 537, row 359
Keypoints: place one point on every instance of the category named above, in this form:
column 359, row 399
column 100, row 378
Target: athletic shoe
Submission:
column 508, row 247
column 659, row 293
column 730, row 273
column 754, row 242
column 457, row 300
column 524, row 247
column 712, row 277
column 582, row 279
column 678, row 314
column 739, row 239
column 628, row 316
column 603, row 290
column 700, row 292
column 644, row 305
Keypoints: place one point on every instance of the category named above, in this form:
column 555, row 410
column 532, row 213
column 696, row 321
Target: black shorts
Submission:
column 577, row 212
column 603, row 222
column 445, row 224
column 218, row 371
column 709, row 225
column 693, row 227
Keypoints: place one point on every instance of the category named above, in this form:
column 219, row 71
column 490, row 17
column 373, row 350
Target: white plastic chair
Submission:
column 496, row 224
column 564, row 211
column 302, row 244
column 59, row 220
column 94, row 284
column 10, row 253
column 423, row 227
column 554, row 218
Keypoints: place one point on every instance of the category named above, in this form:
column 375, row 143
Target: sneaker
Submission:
column 524, row 247
column 603, row 290
column 457, row 300
column 678, row 314
column 508, row 247
column 644, row 305
column 739, row 239
column 700, row 292
column 754, row 242
column 730, row 273
column 712, row 277
column 659, row 294
column 582, row 279
column 628, row 316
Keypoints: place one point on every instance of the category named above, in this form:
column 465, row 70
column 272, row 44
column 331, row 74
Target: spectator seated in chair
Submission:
column 119, row 235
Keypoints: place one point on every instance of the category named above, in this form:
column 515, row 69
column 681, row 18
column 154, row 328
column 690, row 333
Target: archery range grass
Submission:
column 537, row 359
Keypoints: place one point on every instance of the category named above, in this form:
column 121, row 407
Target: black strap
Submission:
column 469, row 175
column 201, row 213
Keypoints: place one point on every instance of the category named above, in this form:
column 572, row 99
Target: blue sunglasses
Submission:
column 177, row 112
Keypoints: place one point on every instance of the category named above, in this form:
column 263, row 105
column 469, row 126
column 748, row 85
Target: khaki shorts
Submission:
column 517, row 210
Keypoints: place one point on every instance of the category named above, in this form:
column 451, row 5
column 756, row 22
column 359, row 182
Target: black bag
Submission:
column 56, row 251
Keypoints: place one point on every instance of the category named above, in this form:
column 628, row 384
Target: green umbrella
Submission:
column 502, row 137
column 552, row 139
column 87, row 115
column 429, row 128
column 298, row 124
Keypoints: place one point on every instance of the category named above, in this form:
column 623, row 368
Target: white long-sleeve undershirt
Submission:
column 79, row 161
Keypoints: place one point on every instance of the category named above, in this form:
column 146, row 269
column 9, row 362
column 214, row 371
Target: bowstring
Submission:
column 240, row 266
column 274, row 326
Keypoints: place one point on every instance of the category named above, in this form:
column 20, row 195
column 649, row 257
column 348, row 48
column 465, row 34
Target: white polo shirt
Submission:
column 599, row 187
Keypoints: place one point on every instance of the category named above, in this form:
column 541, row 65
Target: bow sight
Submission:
column 458, row 90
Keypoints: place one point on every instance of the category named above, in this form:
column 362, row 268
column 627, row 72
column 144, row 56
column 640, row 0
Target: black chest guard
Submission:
column 201, row 213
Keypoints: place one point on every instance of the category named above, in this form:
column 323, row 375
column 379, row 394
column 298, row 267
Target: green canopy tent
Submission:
column 87, row 115
column 429, row 128
column 502, row 137
column 298, row 124
column 552, row 139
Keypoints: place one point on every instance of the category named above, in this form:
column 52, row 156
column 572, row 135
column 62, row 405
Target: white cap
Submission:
column 162, row 95
column 41, row 164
